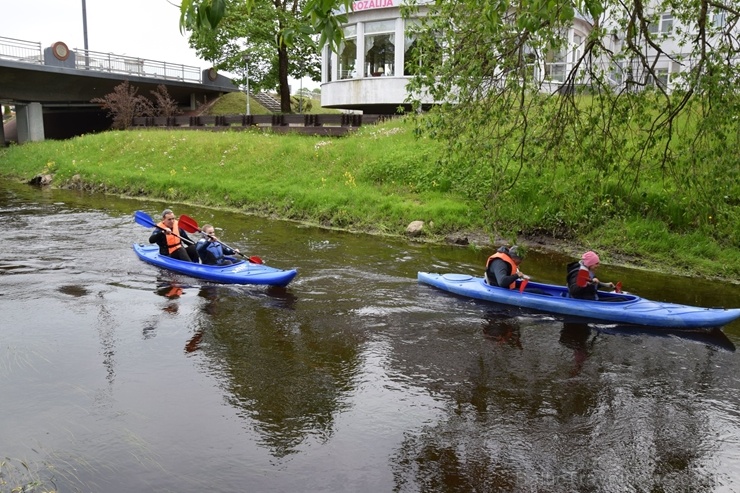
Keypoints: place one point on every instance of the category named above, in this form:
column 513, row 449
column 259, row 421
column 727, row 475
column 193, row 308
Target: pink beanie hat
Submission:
column 590, row 259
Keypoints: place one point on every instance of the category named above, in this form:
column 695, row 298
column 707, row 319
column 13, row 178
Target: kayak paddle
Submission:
column 144, row 219
column 191, row 226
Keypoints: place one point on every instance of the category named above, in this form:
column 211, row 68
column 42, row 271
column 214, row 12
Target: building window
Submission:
column 380, row 50
column 348, row 53
column 555, row 63
column 415, row 57
column 719, row 18
column 577, row 52
column 662, row 78
column 616, row 71
column 664, row 25
column 410, row 62
column 532, row 69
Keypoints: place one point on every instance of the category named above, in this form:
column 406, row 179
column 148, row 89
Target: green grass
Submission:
column 235, row 103
column 18, row 476
column 378, row 179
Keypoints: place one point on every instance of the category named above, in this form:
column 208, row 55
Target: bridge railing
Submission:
column 121, row 64
column 31, row 52
column 21, row 51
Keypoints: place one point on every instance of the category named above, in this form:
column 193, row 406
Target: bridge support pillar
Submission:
column 30, row 122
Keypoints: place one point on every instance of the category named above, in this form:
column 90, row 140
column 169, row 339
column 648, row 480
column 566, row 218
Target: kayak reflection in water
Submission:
column 576, row 336
column 211, row 251
column 172, row 292
column 503, row 330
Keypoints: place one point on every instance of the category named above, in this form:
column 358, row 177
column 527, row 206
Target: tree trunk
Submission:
column 283, row 77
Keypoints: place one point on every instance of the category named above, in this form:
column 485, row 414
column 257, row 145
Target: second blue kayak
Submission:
column 620, row 308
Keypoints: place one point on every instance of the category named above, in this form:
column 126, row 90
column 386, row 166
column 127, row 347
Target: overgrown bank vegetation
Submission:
column 383, row 177
column 612, row 132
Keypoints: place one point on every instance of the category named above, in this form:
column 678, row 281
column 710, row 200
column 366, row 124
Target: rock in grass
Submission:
column 415, row 228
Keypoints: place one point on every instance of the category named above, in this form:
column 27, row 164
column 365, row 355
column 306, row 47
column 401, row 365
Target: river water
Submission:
column 118, row 377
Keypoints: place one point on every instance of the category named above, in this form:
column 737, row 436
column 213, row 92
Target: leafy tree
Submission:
column 301, row 104
column 273, row 35
column 123, row 104
column 306, row 92
column 164, row 105
column 615, row 118
column 323, row 17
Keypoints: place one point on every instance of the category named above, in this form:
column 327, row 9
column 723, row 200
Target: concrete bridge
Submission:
column 51, row 88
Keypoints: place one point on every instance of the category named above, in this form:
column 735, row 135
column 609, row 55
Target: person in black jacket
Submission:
column 502, row 268
column 581, row 278
column 170, row 239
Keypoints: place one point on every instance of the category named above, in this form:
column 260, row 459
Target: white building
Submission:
column 369, row 73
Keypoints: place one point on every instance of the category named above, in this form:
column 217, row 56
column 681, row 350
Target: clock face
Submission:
column 61, row 52
column 212, row 74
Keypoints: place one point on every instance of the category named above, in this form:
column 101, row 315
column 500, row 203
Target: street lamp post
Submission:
column 84, row 32
column 245, row 57
column 300, row 92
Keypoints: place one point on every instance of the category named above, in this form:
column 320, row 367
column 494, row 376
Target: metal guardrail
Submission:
column 31, row 52
column 21, row 51
column 121, row 64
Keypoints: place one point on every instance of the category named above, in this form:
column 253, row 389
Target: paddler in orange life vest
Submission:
column 169, row 243
column 502, row 268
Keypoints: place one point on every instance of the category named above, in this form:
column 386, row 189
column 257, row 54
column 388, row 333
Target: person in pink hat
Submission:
column 582, row 281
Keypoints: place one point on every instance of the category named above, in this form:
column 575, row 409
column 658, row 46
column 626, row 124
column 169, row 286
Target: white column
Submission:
column 400, row 42
column 360, row 67
column 30, row 122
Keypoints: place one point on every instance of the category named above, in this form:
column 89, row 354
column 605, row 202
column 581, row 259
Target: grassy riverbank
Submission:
column 377, row 180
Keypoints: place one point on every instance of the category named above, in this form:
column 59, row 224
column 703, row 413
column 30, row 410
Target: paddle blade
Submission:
column 523, row 285
column 618, row 287
column 188, row 224
column 255, row 259
column 143, row 219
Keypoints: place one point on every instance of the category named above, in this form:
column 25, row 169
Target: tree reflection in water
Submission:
column 288, row 377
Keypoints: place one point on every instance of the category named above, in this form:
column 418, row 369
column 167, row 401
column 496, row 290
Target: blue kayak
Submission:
column 611, row 307
column 237, row 273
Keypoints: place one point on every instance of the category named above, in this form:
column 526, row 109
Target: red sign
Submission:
column 371, row 4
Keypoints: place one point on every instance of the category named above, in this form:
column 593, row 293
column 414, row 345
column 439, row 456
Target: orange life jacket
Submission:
column 506, row 259
column 173, row 242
